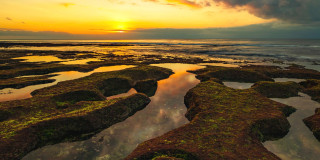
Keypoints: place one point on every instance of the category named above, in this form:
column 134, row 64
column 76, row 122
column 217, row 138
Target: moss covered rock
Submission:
column 255, row 73
column 231, row 74
column 313, row 123
column 4, row 115
column 312, row 88
column 148, row 87
column 25, row 81
column 277, row 89
column 71, row 110
column 225, row 123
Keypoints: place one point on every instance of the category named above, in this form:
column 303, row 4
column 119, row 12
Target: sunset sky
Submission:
column 112, row 17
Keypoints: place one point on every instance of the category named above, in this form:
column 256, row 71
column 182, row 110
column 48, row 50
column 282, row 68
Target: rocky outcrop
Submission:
column 225, row 123
column 277, row 89
column 25, row 81
column 292, row 71
column 71, row 110
column 312, row 88
column 148, row 87
column 253, row 73
column 313, row 122
column 231, row 74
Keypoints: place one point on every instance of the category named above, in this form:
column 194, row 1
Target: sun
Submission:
column 120, row 28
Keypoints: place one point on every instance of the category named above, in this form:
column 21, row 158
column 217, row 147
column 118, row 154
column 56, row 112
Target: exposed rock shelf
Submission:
column 312, row 88
column 224, row 124
column 253, row 73
column 73, row 109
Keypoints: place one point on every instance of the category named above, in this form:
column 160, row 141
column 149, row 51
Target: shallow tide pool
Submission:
column 164, row 113
column 299, row 143
column 9, row 94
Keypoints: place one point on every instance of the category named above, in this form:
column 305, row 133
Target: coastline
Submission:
column 13, row 70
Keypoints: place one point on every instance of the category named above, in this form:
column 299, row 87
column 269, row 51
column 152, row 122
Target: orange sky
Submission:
column 121, row 16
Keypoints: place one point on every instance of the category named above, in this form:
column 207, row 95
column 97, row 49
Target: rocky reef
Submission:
column 225, row 123
column 277, row 89
column 313, row 122
column 25, row 81
column 262, row 77
column 73, row 110
column 255, row 73
column 312, row 88
column 13, row 64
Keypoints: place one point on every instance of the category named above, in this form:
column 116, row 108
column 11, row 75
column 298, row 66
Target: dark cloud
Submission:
column 296, row 11
column 9, row 19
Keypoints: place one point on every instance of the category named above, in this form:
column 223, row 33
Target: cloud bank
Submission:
column 296, row 11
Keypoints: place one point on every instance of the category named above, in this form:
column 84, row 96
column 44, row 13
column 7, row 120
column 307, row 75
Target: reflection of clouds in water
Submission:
column 238, row 85
column 300, row 142
column 176, row 84
column 288, row 79
column 23, row 93
column 15, row 94
column 164, row 113
column 190, row 78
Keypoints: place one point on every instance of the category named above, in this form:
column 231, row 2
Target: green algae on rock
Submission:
column 11, row 66
column 313, row 123
column 255, row 73
column 225, row 123
column 292, row 71
column 312, row 88
column 277, row 89
column 148, row 87
column 71, row 110
column 25, row 81
column 231, row 74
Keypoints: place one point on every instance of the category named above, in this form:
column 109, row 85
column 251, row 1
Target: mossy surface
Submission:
column 36, row 69
column 225, row 123
column 70, row 109
column 231, row 74
column 148, row 87
column 313, row 123
column 252, row 73
column 277, row 89
column 25, row 81
column 11, row 67
column 312, row 88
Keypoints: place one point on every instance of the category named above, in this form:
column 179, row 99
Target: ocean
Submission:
column 290, row 50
